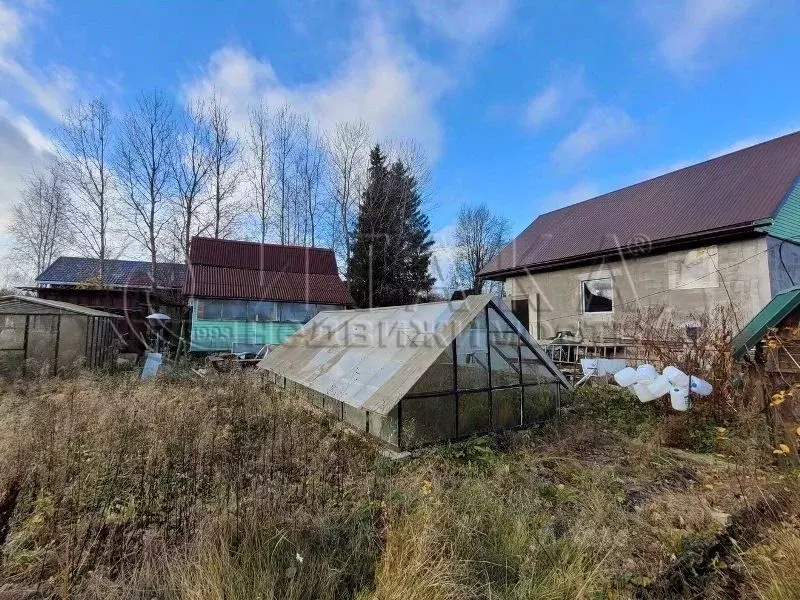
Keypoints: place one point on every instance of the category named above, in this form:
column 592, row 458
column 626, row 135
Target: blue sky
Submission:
column 527, row 106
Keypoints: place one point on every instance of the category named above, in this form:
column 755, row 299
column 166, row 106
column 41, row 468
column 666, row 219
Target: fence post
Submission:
column 25, row 345
column 58, row 339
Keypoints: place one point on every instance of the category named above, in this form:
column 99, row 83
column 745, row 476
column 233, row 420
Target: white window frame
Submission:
column 583, row 298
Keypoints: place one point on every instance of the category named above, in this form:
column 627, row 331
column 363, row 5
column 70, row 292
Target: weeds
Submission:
column 199, row 489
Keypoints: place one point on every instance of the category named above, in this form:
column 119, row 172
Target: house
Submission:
column 126, row 290
column 245, row 295
column 723, row 232
column 421, row 374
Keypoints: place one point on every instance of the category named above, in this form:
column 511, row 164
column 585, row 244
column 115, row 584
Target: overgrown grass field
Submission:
column 225, row 488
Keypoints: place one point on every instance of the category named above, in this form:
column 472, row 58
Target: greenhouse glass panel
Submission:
column 538, row 402
column 473, row 412
column 473, row 355
column 503, row 351
column 506, row 408
column 438, row 377
column 533, row 369
column 426, row 420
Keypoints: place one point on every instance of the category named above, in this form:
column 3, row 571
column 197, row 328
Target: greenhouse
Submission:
column 39, row 335
column 421, row 374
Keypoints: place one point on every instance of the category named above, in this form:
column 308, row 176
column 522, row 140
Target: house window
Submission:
column 597, row 295
column 234, row 310
column 296, row 312
column 209, row 310
column 262, row 311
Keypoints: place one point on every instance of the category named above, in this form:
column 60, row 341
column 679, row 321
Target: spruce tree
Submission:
column 392, row 245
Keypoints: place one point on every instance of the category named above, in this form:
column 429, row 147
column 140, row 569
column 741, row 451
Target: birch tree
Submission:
column 225, row 169
column 191, row 169
column 310, row 165
column 478, row 238
column 348, row 147
column 39, row 225
column 144, row 167
column 258, row 167
column 284, row 140
column 84, row 152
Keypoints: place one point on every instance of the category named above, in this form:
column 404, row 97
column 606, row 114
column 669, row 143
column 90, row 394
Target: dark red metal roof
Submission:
column 721, row 195
column 250, row 270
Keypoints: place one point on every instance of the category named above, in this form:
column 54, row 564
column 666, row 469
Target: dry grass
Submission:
column 226, row 489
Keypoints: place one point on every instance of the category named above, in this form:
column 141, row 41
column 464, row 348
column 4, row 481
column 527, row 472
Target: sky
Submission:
column 526, row 106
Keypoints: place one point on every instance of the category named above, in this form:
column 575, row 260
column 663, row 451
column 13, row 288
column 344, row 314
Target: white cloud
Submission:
column 22, row 148
column 50, row 90
column 557, row 97
column 383, row 82
column 10, row 27
column 464, row 21
column 603, row 126
column 688, row 29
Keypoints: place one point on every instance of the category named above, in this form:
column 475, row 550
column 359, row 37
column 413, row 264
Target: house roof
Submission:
column 722, row 196
column 250, row 270
column 370, row 359
column 771, row 315
column 73, row 270
column 39, row 306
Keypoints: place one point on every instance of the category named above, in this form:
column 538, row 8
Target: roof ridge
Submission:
column 255, row 243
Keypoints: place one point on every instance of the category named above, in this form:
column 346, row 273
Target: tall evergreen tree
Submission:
column 392, row 245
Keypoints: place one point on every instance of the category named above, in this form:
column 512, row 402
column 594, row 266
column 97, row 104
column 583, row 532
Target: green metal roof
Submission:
column 773, row 313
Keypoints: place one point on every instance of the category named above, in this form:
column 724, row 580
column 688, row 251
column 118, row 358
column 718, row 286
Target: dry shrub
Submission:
column 737, row 399
column 774, row 566
column 418, row 562
column 108, row 465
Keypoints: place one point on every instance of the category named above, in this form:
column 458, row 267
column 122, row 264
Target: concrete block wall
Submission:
column 663, row 280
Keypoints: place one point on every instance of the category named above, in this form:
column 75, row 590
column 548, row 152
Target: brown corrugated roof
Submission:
column 721, row 195
column 249, row 270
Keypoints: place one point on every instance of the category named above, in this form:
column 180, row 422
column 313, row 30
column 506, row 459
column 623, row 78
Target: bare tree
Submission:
column 143, row 164
column 310, row 165
column 84, row 157
column 225, row 168
column 478, row 238
column 191, row 169
column 348, row 147
column 39, row 226
column 259, row 166
column 284, row 140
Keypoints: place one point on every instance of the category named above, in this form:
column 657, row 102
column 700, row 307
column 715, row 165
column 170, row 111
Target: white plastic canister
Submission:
column 646, row 373
column 679, row 396
column 676, row 377
column 625, row 377
column 660, row 386
column 700, row 386
column 643, row 393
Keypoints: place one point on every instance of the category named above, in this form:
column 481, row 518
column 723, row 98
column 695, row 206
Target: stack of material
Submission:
column 648, row 384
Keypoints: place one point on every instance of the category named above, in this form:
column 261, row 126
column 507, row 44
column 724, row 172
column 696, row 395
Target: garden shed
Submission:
column 48, row 335
column 421, row 374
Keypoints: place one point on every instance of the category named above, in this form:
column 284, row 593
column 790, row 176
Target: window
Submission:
column 234, row 310
column 262, row 311
column 296, row 312
column 209, row 310
column 597, row 295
